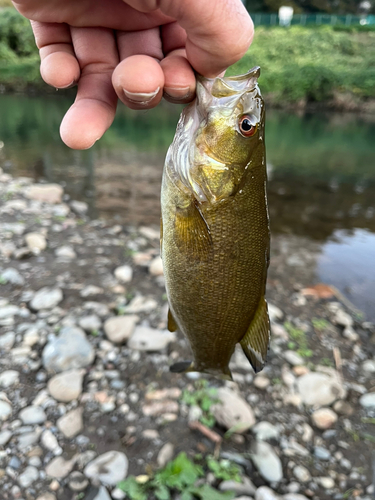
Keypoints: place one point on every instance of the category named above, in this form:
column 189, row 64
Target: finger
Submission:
column 218, row 33
column 59, row 66
column 179, row 78
column 94, row 108
column 139, row 79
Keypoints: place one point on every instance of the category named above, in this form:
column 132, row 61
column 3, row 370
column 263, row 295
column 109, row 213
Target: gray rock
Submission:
column 275, row 313
column 294, row 496
column 294, row 358
column 141, row 304
column 301, row 473
column 17, row 228
column 320, row 389
column 323, row 418
column 367, row 400
column 165, row 455
column 32, row 415
column 36, row 242
column 91, row 290
column 321, row 453
column 46, row 496
column 66, row 386
column 59, row 467
column 14, row 463
column 265, row 493
column 150, row 339
column 28, row 476
column 69, row 351
column 8, row 311
column 90, row 323
column 109, row 468
column 46, row 298
column 49, row 441
column 66, row 252
column 79, row 207
column 5, row 437
column 124, row 274
column 102, row 494
column 368, row 366
column 233, row 412
column 28, row 439
column 77, row 481
column 7, row 341
column 265, row 431
column 342, row 318
column 71, row 423
column 12, row 276
column 267, row 462
column 245, row 487
column 9, row 378
column 48, row 193
column 120, row 328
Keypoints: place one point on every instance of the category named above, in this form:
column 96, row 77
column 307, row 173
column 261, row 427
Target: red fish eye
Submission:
column 247, row 129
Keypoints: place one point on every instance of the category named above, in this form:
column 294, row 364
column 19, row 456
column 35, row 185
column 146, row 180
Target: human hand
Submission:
column 134, row 50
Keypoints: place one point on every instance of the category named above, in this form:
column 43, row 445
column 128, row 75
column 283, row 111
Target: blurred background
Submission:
column 317, row 61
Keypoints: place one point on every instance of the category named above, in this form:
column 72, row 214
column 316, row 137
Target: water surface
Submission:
column 321, row 169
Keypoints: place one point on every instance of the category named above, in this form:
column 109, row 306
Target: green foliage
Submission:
column 319, row 324
column 16, row 33
column 181, row 475
column 204, row 397
column 224, row 469
column 300, row 340
column 3, row 281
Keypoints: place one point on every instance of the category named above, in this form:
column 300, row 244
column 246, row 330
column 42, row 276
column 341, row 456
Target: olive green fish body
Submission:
column 215, row 234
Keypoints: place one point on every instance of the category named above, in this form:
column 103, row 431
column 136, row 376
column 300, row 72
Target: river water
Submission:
column 321, row 176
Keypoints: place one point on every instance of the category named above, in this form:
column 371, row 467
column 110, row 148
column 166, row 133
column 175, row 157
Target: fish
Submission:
column 215, row 236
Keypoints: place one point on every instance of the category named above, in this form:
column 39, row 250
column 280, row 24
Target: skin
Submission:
column 215, row 252
column 133, row 50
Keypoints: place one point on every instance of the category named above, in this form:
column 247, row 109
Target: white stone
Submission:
column 66, row 386
column 36, row 242
column 71, row 423
column 11, row 275
column 165, row 455
column 267, row 462
column 301, row 473
column 294, row 358
column 8, row 311
column 65, row 252
column 141, row 304
column 49, row 441
column 150, row 339
column 320, row 389
column 124, row 274
column 323, row 418
column 264, row 431
column 102, row 494
column 265, row 493
column 90, row 290
column 156, row 266
column 109, row 468
column 233, row 412
column 70, row 350
column 5, row 437
column 9, row 378
column 59, row 467
column 326, row 482
column 120, row 328
column 79, row 207
column 46, row 298
column 275, row 313
column 28, row 476
column 7, row 341
column 32, row 415
column 90, row 323
column 343, row 319
column 368, row 366
column 48, row 193
column 367, row 400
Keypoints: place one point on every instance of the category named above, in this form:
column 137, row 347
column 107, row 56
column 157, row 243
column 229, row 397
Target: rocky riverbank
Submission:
column 86, row 398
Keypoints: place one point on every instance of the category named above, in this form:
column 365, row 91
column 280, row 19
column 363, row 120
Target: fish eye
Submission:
column 247, row 129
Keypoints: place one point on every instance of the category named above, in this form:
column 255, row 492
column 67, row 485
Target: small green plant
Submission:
column 128, row 252
column 368, row 420
column 120, row 310
column 224, row 469
column 179, row 475
column 319, row 324
column 299, row 340
column 80, row 222
column 59, row 218
column 3, row 281
column 95, row 333
column 204, row 397
column 326, row 362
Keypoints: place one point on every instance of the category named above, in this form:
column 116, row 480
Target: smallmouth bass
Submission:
column 215, row 229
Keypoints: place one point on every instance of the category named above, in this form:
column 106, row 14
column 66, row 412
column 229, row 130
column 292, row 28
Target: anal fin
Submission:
column 172, row 325
column 256, row 340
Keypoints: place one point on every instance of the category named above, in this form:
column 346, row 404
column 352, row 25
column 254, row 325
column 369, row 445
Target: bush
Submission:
column 16, row 33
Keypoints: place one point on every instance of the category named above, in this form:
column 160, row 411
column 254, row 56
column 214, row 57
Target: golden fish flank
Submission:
column 215, row 230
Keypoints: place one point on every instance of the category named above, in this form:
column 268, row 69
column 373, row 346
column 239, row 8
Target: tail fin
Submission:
column 189, row 366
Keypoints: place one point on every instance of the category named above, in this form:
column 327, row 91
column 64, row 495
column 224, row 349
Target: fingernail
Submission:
column 141, row 98
column 71, row 84
column 177, row 92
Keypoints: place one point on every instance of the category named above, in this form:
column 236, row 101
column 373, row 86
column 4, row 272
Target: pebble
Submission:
column 124, row 274
column 321, row 453
column 367, row 400
column 8, row 311
column 102, row 494
column 46, row 298
column 233, row 412
column 71, row 423
column 66, row 252
column 319, row 389
column 7, row 341
column 91, row 323
column 275, row 313
column 49, row 441
column 120, row 328
column 46, row 496
column 158, row 408
column 32, row 415
column 343, row 408
column 48, row 193
column 28, row 476
column 323, row 418
column 5, row 437
column 68, row 351
column 141, row 304
column 301, row 473
column 109, row 468
column 342, row 318
column 9, row 378
column 267, row 462
column 165, row 455
column 150, row 339
column 12, row 276
column 77, row 481
column 326, row 482
column 245, row 487
column 36, row 242
column 59, row 467
column 294, row 358
column 66, row 386
column 265, row 431
column 265, row 493
column 79, row 207
column 368, row 366
column 261, row 382
column 91, row 290
column 156, row 266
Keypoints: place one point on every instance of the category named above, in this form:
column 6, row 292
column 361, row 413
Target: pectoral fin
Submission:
column 172, row 325
column 256, row 340
column 192, row 234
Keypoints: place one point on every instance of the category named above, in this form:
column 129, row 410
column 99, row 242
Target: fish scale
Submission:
column 215, row 250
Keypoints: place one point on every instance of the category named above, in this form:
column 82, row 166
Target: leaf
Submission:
column 206, row 492
column 162, row 492
column 134, row 490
